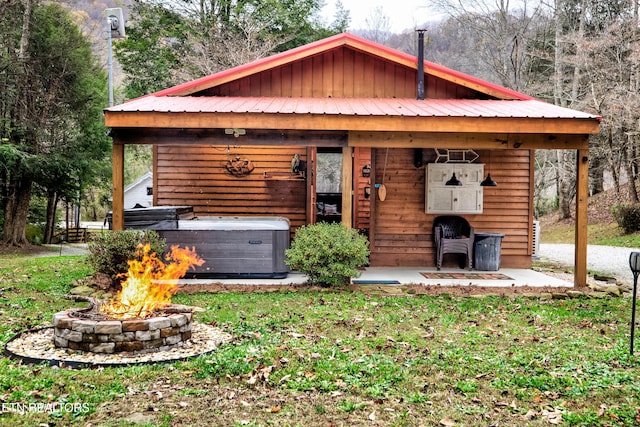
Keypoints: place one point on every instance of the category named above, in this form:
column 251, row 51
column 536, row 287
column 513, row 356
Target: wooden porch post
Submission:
column 582, row 197
column 347, row 186
column 117, row 171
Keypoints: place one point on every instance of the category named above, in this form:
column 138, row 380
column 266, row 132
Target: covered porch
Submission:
column 357, row 99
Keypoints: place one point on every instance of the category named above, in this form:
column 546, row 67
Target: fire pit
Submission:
column 139, row 325
column 83, row 330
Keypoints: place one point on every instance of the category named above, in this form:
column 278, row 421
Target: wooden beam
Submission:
column 468, row 140
column 328, row 138
column 117, row 170
column 582, row 198
column 347, row 187
column 263, row 137
column 312, row 121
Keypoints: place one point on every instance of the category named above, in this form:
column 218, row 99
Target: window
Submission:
column 329, row 172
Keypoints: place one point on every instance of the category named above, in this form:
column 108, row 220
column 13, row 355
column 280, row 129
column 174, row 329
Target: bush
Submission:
column 627, row 217
column 34, row 234
column 110, row 251
column 329, row 254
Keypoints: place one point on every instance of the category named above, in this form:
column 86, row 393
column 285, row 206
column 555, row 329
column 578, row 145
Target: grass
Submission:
column 598, row 234
column 336, row 357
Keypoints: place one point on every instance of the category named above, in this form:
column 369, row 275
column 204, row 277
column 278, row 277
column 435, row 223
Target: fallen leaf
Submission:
column 275, row 409
column 285, row 378
column 552, row 417
column 447, row 422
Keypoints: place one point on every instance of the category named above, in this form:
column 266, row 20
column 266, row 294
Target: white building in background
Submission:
column 140, row 192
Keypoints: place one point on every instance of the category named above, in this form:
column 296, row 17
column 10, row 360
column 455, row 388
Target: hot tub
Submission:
column 234, row 246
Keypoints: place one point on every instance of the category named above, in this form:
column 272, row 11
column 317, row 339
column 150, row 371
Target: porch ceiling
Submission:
column 355, row 114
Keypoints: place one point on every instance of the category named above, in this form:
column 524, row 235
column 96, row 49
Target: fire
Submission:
column 150, row 283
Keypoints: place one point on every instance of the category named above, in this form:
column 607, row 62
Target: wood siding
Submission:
column 341, row 73
column 402, row 231
column 196, row 176
column 362, row 203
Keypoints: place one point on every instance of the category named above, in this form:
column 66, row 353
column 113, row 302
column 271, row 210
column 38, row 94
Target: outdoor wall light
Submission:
column 453, row 181
column 366, row 170
column 634, row 264
column 488, row 181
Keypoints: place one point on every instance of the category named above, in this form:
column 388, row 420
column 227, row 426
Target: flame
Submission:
column 150, row 283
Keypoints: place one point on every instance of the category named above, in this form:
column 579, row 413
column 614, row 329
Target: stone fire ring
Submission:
column 37, row 346
column 140, row 335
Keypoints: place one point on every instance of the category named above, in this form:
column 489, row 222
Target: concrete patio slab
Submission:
column 407, row 276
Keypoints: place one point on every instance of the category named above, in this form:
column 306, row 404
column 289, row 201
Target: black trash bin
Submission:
column 486, row 251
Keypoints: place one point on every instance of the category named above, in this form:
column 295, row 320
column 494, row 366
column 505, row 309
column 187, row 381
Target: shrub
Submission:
column 34, row 234
column 110, row 251
column 628, row 217
column 329, row 254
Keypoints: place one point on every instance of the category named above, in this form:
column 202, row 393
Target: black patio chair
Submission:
column 453, row 235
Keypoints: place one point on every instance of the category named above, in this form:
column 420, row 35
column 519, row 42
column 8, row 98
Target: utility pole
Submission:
column 115, row 30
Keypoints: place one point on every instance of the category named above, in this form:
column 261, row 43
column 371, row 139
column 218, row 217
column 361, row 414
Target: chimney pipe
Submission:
column 421, row 64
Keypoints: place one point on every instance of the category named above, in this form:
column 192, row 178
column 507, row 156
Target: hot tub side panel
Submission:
column 234, row 253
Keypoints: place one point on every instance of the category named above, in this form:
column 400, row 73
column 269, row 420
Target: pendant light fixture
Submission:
column 488, row 181
column 453, row 181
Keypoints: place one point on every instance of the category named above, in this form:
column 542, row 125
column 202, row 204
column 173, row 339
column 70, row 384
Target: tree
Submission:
column 596, row 70
column 378, row 26
column 167, row 45
column 501, row 35
column 50, row 117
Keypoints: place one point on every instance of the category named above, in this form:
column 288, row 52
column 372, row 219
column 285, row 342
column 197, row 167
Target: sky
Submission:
column 403, row 14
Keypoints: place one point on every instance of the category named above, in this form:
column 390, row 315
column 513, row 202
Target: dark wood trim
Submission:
column 264, row 137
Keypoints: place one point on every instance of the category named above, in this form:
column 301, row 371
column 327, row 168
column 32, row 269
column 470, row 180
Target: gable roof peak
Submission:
column 324, row 45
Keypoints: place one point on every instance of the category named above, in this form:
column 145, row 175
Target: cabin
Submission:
column 344, row 129
column 139, row 193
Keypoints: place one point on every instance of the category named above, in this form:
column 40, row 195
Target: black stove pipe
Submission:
column 421, row 64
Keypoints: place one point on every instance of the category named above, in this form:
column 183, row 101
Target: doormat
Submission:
column 466, row 276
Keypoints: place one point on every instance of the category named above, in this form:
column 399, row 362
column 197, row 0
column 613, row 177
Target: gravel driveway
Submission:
column 607, row 260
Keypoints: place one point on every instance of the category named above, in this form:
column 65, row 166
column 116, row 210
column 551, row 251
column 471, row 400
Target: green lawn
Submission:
column 334, row 357
column 597, row 234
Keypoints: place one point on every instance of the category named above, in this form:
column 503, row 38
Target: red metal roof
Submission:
column 464, row 108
